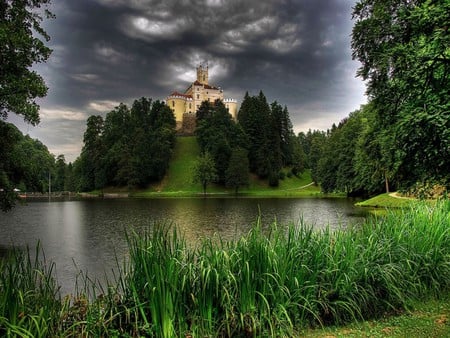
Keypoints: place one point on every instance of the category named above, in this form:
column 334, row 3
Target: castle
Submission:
column 185, row 106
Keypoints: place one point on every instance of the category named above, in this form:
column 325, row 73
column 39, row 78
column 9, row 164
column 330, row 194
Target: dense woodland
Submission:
column 130, row 147
column 399, row 140
column 262, row 138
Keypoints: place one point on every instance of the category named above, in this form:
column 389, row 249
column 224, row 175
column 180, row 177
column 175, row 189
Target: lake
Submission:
column 86, row 235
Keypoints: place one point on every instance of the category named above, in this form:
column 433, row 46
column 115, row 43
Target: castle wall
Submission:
column 189, row 124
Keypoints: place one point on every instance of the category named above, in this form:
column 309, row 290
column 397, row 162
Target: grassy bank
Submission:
column 387, row 201
column 275, row 281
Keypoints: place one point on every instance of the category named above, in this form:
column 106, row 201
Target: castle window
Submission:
column 198, row 96
column 190, row 105
column 173, row 103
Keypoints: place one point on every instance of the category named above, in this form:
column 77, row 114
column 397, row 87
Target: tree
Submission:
column 255, row 120
column 24, row 163
column 58, row 183
column 404, row 50
column 316, row 142
column 132, row 147
column 217, row 134
column 21, row 46
column 238, row 169
column 92, row 155
column 204, row 171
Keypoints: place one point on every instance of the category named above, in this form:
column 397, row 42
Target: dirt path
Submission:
column 305, row 186
column 396, row 194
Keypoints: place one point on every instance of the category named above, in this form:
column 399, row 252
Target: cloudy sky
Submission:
column 110, row 51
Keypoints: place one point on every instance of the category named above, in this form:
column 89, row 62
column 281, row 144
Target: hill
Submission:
column 178, row 180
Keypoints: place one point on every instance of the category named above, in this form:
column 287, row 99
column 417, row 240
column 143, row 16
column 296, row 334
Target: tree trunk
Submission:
column 386, row 182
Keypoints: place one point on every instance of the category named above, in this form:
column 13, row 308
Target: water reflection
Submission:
column 85, row 235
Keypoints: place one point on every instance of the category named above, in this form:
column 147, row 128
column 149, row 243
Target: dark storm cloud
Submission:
column 108, row 51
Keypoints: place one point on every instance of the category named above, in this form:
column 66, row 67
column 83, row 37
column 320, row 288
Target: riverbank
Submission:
column 289, row 187
column 276, row 281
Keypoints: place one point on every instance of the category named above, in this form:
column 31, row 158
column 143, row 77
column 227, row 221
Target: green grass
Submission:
column 386, row 201
column 180, row 173
column 425, row 319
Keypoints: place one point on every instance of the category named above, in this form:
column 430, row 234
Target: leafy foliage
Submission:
column 131, row 147
column 218, row 135
column 404, row 49
column 237, row 174
column 204, row 170
column 25, row 164
column 20, row 48
column 264, row 131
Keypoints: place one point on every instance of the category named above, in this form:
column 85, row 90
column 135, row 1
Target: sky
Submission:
column 110, row 51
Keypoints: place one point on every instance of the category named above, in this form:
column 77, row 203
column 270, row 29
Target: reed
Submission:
column 29, row 296
column 278, row 279
column 274, row 281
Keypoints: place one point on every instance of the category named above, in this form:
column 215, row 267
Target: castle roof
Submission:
column 198, row 83
column 182, row 95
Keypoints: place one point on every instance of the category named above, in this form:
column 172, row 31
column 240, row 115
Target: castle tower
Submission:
column 202, row 73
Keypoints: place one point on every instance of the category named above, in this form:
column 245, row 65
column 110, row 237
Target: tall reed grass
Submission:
column 29, row 298
column 275, row 281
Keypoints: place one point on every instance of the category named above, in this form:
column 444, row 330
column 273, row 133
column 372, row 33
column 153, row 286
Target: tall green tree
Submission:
column 92, row 155
column 237, row 174
column 58, row 183
column 254, row 117
column 204, row 171
column 218, row 134
column 404, row 50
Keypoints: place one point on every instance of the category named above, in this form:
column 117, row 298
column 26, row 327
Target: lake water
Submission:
column 86, row 235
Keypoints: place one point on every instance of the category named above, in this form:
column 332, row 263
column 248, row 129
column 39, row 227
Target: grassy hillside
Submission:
column 180, row 173
column 386, row 201
column 178, row 180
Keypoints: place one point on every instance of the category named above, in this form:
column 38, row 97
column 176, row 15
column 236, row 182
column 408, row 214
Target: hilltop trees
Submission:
column 262, row 132
column 130, row 147
column 271, row 141
column 218, row 135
